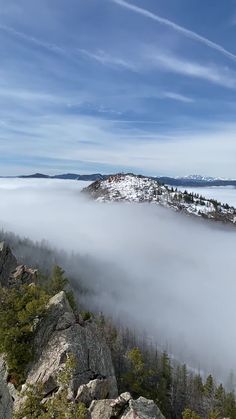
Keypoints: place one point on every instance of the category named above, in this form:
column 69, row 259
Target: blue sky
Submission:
column 114, row 85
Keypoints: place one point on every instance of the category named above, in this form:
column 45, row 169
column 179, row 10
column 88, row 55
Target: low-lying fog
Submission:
column 166, row 273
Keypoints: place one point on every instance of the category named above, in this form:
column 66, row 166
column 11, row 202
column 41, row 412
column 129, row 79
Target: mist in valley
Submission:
column 167, row 275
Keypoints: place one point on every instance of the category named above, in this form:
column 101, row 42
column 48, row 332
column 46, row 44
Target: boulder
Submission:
column 101, row 409
column 94, row 390
column 124, row 407
column 58, row 336
column 6, row 400
column 118, row 405
column 142, row 409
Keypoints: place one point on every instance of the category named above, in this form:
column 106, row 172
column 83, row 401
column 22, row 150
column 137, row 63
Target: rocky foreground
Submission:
column 133, row 188
column 60, row 335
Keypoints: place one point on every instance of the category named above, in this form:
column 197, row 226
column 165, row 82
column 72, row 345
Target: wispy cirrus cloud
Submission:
column 154, row 151
column 26, row 95
column 214, row 74
column 184, row 31
column 36, row 41
column 177, row 96
column 80, row 95
column 100, row 56
column 106, row 59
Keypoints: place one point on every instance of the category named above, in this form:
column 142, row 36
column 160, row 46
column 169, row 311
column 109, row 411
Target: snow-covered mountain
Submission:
column 200, row 178
column 133, row 188
column 196, row 180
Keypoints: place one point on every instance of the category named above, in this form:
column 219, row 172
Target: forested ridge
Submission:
column 178, row 391
column 140, row 367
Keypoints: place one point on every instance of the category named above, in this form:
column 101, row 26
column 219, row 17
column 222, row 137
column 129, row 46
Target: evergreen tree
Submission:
column 179, row 391
column 21, row 309
column 58, row 281
column 230, row 406
column 164, row 389
column 209, row 393
column 190, row 414
column 136, row 377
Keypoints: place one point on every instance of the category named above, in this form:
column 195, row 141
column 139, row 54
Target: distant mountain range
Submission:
column 69, row 176
column 195, row 181
column 186, row 181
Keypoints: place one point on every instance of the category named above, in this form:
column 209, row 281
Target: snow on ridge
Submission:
column 133, row 188
column 201, row 178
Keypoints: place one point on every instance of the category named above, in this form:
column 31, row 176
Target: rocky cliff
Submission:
column 6, row 400
column 59, row 335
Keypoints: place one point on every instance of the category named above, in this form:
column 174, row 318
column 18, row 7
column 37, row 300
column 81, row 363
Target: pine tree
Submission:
column 20, row 310
column 58, row 281
column 209, row 393
column 230, row 406
column 220, row 399
column 190, row 414
column 179, row 393
column 165, row 386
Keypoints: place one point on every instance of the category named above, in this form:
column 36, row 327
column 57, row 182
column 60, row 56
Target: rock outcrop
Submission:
column 142, row 409
column 124, row 407
column 57, row 337
column 12, row 274
column 6, row 400
column 23, row 275
column 94, row 390
column 8, row 264
column 60, row 334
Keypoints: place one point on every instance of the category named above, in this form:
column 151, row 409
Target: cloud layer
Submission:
column 158, row 271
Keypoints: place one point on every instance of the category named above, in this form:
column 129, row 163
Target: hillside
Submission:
column 133, row 188
column 54, row 359
column 58, row 361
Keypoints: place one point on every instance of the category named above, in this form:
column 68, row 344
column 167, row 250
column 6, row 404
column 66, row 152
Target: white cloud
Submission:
column 106, row 59
column 103, row 142
column 186, row 32
column 26, row 95
column 214, row 74
column 177, row 96
column 49, row 46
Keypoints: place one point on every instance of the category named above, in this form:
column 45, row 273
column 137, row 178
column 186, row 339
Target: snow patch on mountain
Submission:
column 200, row 178
column 132, row 188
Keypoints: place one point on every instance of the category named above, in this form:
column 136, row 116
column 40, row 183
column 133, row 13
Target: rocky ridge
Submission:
column 133, row 188
column 61, row 334
column 12, row 274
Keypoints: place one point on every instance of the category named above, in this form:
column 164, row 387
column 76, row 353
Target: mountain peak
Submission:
column 200, row 178
column 136, row 188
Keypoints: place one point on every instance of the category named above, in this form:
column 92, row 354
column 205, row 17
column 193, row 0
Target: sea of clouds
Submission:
column 167, row 274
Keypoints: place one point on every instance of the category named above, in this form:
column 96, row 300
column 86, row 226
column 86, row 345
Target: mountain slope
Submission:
column 55, row 362
column 132, row 188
